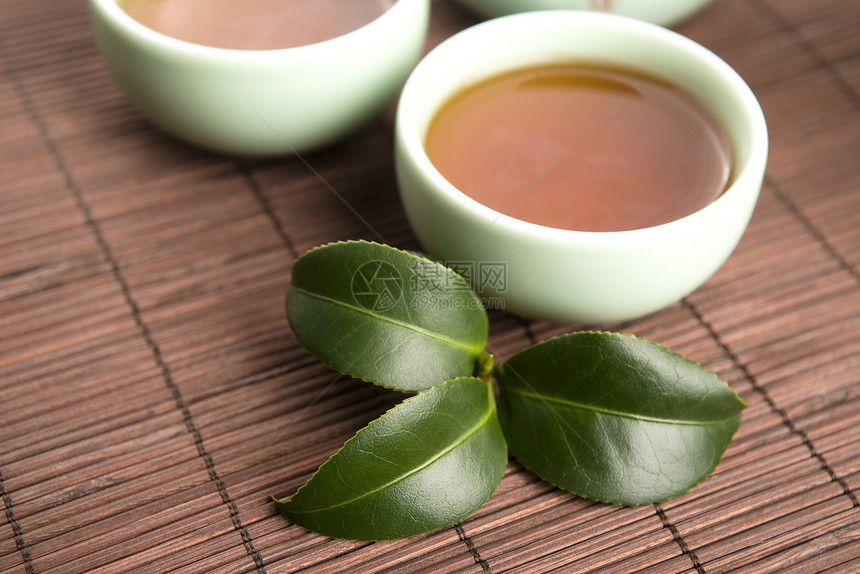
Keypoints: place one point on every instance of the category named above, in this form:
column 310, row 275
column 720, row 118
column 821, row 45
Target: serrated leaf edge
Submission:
column 500, row 368
column 742, row 403
column 281, row 503
column 415, row 256
column 616, row 502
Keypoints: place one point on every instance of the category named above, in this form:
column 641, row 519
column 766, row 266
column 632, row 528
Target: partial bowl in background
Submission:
column 662, row 12
column 262, row 102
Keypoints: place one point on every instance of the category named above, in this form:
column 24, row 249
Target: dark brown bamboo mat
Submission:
column 152, row 397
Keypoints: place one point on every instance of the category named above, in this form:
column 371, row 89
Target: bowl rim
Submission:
column 408, row 139
column 678, row 10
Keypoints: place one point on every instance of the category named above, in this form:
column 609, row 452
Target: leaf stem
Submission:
column 484, row 364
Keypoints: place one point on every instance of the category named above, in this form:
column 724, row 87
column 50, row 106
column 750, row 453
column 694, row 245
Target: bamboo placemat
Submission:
column 152, row 397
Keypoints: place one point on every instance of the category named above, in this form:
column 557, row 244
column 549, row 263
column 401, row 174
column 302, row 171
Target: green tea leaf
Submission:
column 427, row 463
column 615, row 418
column 385, row 315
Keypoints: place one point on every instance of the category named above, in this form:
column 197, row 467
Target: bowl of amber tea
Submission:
column 581, row 166
column 260, row 77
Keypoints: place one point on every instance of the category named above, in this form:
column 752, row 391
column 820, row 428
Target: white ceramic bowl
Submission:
column 262, row 102
column 662, row 12
column 568, row 275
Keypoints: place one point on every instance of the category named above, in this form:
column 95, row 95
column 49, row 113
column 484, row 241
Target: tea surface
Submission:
column 581, row 147
column 255, row 24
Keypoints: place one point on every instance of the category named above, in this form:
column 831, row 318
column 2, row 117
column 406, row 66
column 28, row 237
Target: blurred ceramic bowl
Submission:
column 662, row 12
column 262, row 102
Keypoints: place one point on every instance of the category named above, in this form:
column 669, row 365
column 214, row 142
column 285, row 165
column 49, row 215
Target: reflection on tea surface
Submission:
column 255, row 24
column 581, row 147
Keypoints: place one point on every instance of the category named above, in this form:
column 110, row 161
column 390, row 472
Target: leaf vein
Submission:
column 480, row 424
column 471, row 348
column 601, row 410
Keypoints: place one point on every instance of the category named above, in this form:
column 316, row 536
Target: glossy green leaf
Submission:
column 615, row 418
column 385, row 315
column 427, row 463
